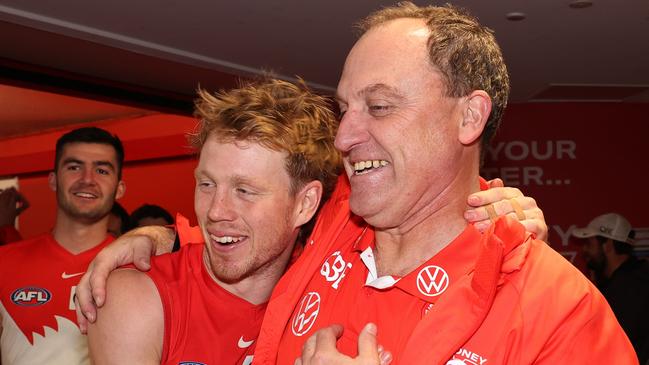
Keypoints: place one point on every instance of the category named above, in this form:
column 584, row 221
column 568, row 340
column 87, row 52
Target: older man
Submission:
column 421, row 91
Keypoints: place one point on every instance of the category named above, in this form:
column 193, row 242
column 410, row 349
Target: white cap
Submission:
column 610, row 225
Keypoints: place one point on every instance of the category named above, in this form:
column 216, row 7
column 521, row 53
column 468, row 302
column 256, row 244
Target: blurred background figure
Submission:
column 118, row 220
column 623, row 278
column 150, row 215
column 12, row 203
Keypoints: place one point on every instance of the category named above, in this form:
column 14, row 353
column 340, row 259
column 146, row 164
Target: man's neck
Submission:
column 78, row 236
column 399, row 251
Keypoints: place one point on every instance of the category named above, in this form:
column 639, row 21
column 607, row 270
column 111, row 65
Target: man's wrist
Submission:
column 165, row 240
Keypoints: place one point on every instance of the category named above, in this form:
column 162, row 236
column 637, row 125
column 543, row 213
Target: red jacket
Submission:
column 523, row 303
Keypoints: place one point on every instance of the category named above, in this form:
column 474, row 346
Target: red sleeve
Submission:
column 9, row 234
column 187, row 233
column 589, row 335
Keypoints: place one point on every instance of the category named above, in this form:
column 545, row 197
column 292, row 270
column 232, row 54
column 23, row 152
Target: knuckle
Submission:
column 502, row 207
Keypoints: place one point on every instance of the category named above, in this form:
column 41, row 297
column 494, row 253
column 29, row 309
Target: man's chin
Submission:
column 370, row 211
column 87, row 216
column 226, row 272
column 231, row 276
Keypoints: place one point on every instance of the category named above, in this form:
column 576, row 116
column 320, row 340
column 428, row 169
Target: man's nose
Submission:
column 351, row 131
column 221, row 207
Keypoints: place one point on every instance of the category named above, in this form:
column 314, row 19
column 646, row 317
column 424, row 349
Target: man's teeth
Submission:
column 225, row 239
column 361, row 166
column 85, row 195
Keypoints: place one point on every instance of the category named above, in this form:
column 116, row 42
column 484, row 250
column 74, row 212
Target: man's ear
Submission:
column 477, row 108
column 307, row 202
column 51, row 180
column 121, row 189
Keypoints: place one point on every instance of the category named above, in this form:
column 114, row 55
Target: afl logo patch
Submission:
column 30, row 296
column 432, row 281
column 190, row 363
column 306, row 314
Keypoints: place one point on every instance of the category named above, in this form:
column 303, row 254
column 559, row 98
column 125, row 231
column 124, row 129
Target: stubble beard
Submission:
column 255, row 264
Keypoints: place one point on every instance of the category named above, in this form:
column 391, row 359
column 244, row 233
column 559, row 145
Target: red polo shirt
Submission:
column 517, row 301
column 350, row 293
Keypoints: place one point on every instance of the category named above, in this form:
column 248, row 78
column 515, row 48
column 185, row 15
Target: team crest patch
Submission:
column 432, row 281
column 334, row 269
column 30, row 296
column 306, row 314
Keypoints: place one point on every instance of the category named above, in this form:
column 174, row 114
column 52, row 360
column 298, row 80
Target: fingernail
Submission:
column 469, row 215
column 371, row 328
column 90, row 317
column 386, row 358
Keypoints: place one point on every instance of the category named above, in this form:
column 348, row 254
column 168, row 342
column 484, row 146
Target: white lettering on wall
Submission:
column 564, row 235
column 522, row 150
column 538, row 150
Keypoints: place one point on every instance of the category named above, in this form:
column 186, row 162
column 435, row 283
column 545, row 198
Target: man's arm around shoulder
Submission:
column 129, row 328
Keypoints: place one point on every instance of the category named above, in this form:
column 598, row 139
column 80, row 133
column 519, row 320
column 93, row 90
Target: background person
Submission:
column 12, row 204
column 619, row 274
column 118, row 220
column 150, row 215
column 38, row 276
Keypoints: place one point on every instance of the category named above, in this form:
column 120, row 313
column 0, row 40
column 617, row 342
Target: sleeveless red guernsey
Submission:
column 38, row 278
column 203, row 323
